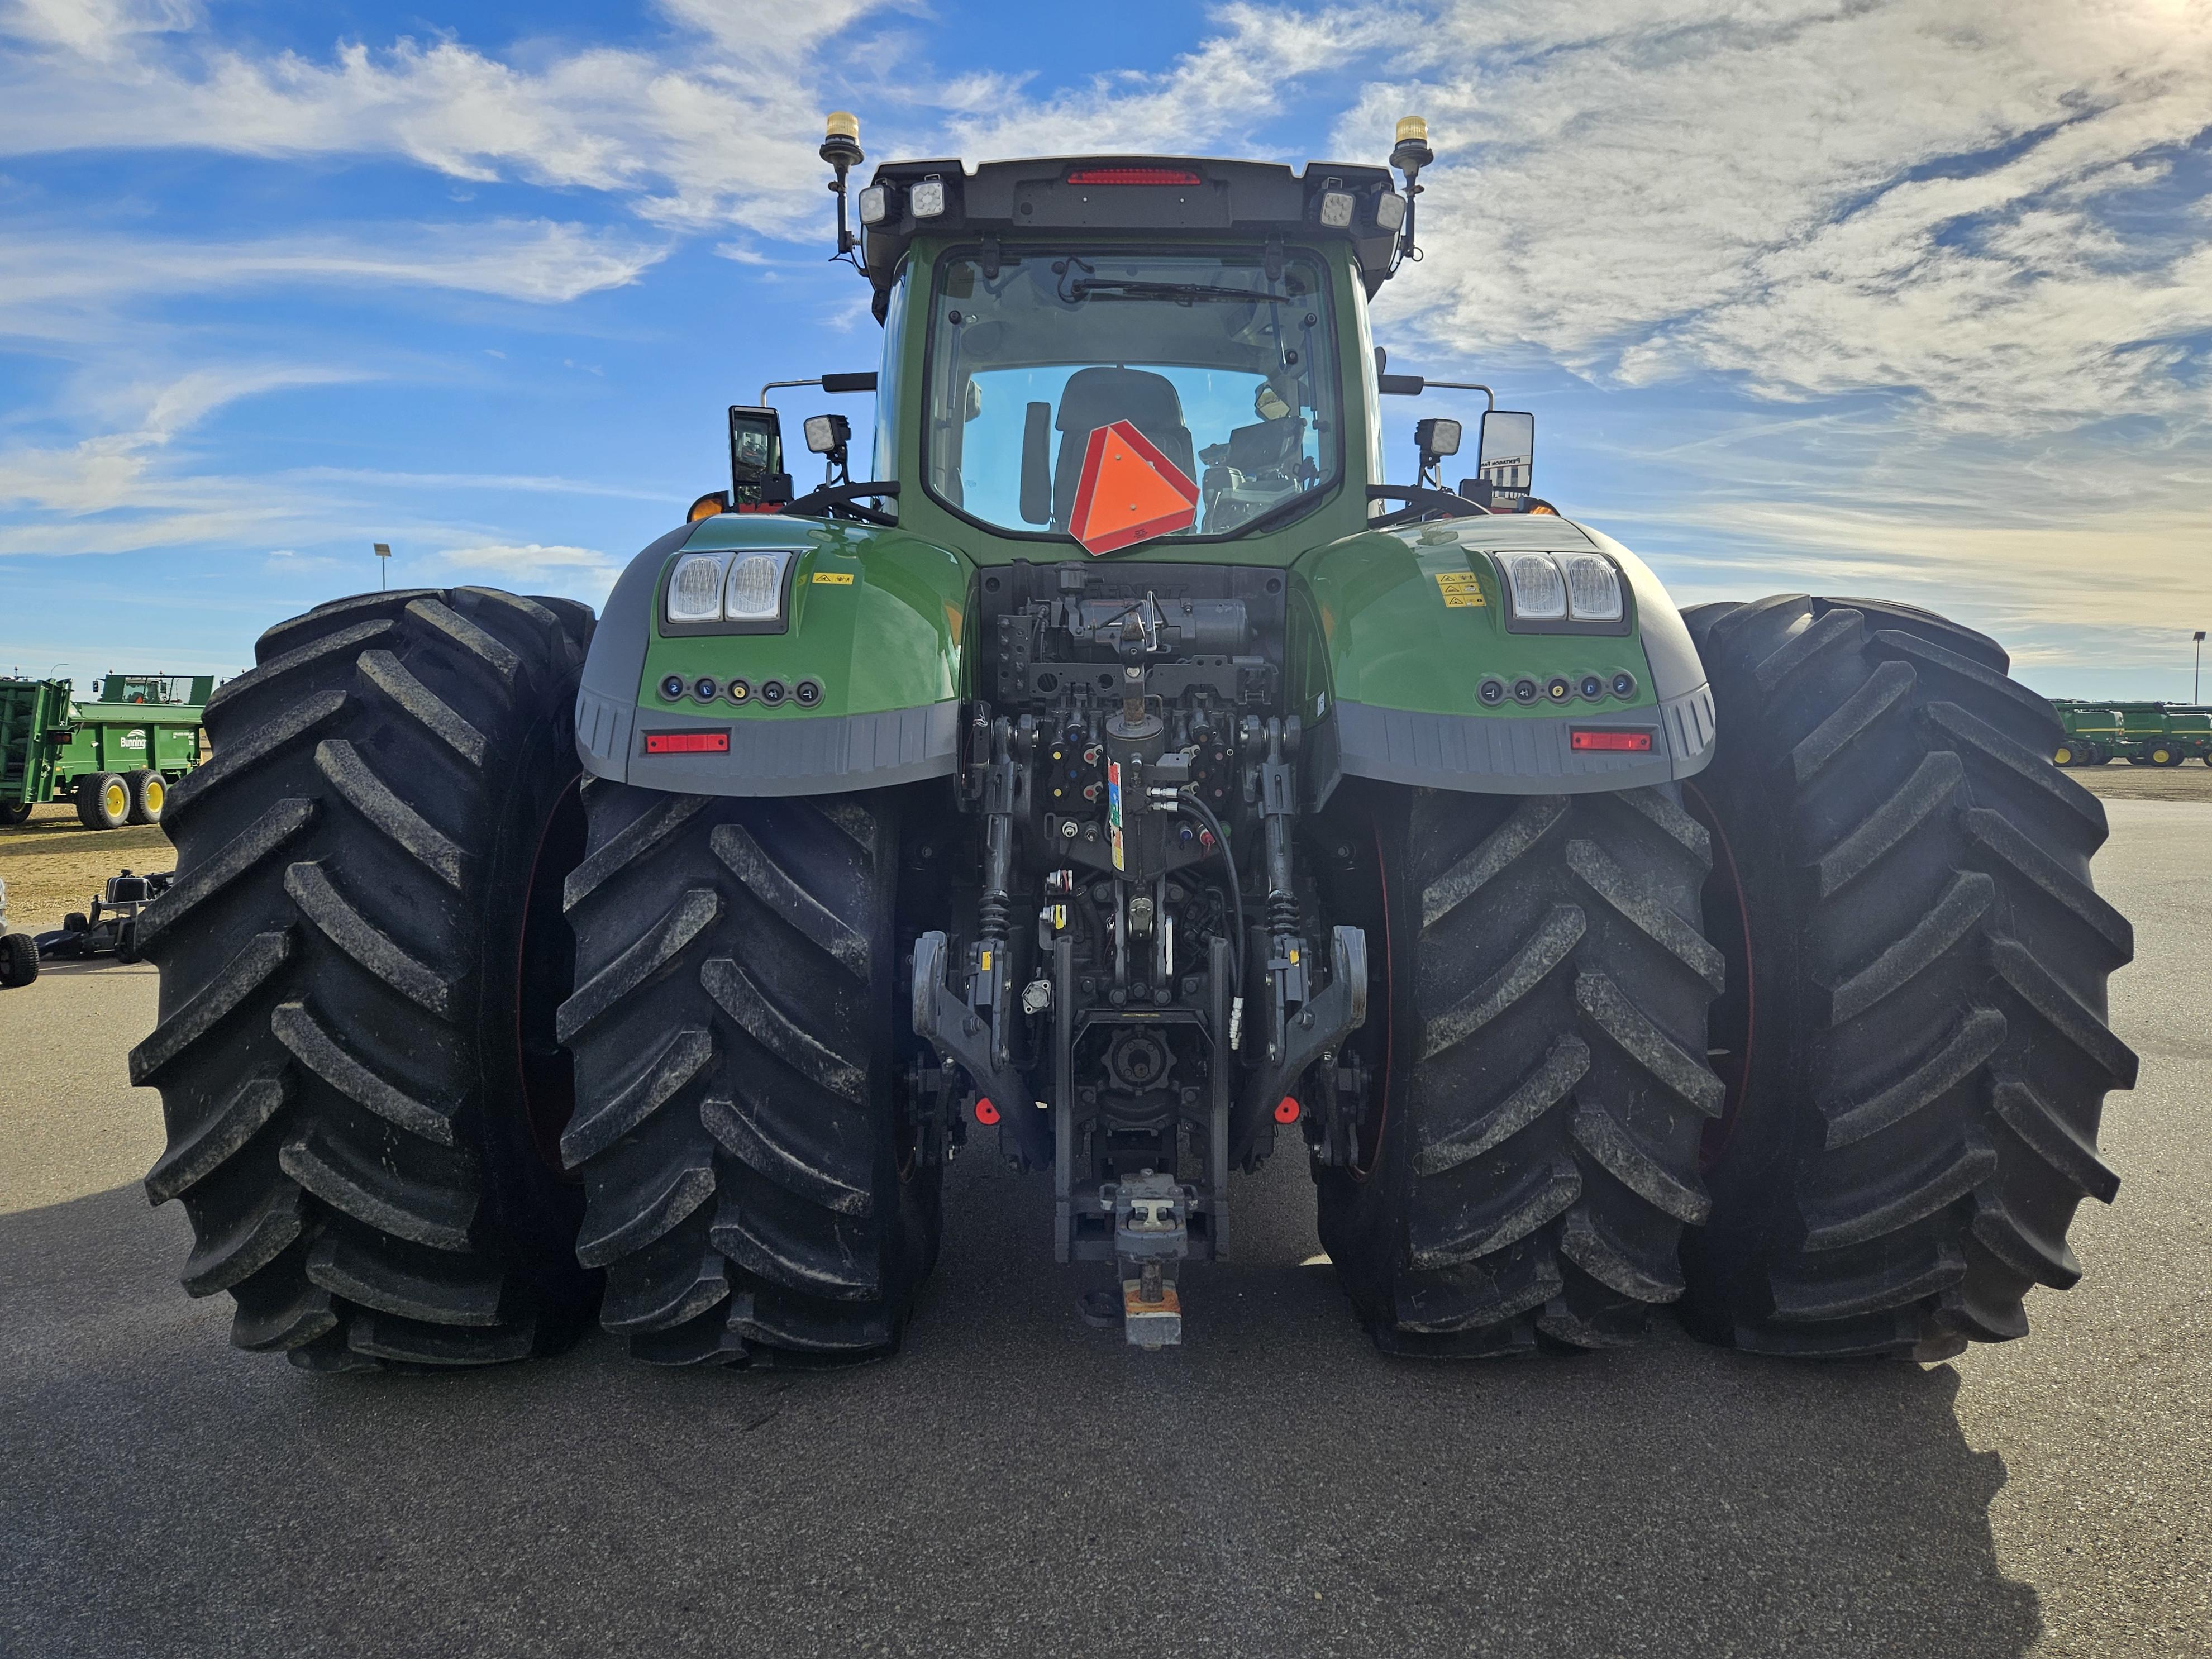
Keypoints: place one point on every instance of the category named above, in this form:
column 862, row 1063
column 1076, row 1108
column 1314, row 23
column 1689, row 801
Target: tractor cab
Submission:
column 1113, row 350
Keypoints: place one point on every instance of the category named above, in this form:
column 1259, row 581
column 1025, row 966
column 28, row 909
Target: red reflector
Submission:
column 1286, row 1110
column 687, row 742
column 985, row 1112
column 1636, row 743
column 1134, row 176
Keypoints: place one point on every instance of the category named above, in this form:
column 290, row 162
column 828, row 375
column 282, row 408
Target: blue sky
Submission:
column 1908, row 298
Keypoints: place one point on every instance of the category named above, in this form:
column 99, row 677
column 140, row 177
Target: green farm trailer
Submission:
column 113, row 755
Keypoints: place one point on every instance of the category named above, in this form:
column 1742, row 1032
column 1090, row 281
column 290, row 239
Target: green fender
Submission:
column 877, row 621
column 1404, row 626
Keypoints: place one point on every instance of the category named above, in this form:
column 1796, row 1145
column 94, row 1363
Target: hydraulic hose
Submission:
column 1203, row 814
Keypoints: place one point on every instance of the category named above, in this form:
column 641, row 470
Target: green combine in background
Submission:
column 2140, row 733
column 114, row 755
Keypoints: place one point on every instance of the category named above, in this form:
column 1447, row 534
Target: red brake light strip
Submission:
column 1134, row 176
column 1633, row 743
column 687, row 742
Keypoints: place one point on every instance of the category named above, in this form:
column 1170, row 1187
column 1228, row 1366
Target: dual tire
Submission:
column 404, row 944
column 376, row 1021
column 108, row 800
column 1914, row 1036
column 752, row 1178
column 355, row 1048
column 1874, row 1141
column 1538, row 1068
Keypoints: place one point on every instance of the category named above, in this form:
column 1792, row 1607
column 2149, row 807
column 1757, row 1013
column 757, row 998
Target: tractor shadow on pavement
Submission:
column 1014, row 1481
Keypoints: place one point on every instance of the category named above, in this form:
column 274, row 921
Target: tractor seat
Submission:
column 1097, row 396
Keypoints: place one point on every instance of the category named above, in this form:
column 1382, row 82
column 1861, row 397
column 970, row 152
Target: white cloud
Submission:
column 1235, row 81
column 530, row 483
column 725, row 132
column 1812, row 199
column 583, row 571
column 98, row 29
column 53, row 274
column 1950, row 247
column 111, row 470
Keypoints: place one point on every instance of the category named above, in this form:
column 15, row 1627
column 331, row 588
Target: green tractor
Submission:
column 1123, row 776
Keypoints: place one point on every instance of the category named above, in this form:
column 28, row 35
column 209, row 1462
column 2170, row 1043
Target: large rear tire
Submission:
column 361, row 956
column 1537, row 1043
column 737, row 1027
column 1915, row 1031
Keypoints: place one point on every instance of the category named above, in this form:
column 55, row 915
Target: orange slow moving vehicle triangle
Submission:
column 1128, row 491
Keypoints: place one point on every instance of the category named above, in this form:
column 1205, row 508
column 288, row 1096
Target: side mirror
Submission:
column 1506, row 457
column 757, row 474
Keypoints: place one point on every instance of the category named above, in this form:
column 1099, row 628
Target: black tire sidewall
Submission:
column 535, row 1206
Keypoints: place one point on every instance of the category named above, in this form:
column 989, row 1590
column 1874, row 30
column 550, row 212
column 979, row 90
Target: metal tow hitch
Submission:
column 1151, row 1235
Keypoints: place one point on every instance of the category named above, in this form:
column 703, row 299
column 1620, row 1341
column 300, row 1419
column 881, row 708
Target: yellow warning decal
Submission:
column 844, row 578
column 1460, row 589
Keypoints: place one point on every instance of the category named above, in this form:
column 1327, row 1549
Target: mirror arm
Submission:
column 1412, row 386
column 843, row 501
column 1422, row 502
column 863, row 380
column 1490, row 398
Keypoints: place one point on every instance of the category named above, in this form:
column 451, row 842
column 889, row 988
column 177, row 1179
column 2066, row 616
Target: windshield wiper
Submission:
column 1282, row 509
column 1119, row 287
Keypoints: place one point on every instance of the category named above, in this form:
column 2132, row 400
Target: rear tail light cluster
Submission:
column 1567, row 588
column 744, row 586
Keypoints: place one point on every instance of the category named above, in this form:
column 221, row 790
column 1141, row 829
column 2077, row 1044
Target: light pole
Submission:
column 2196, row 674
column 384, row 566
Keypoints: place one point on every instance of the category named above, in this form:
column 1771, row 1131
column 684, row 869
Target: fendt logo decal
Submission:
column 1128, row 492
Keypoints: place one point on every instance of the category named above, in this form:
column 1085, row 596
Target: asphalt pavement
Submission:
column 1016, row 1482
